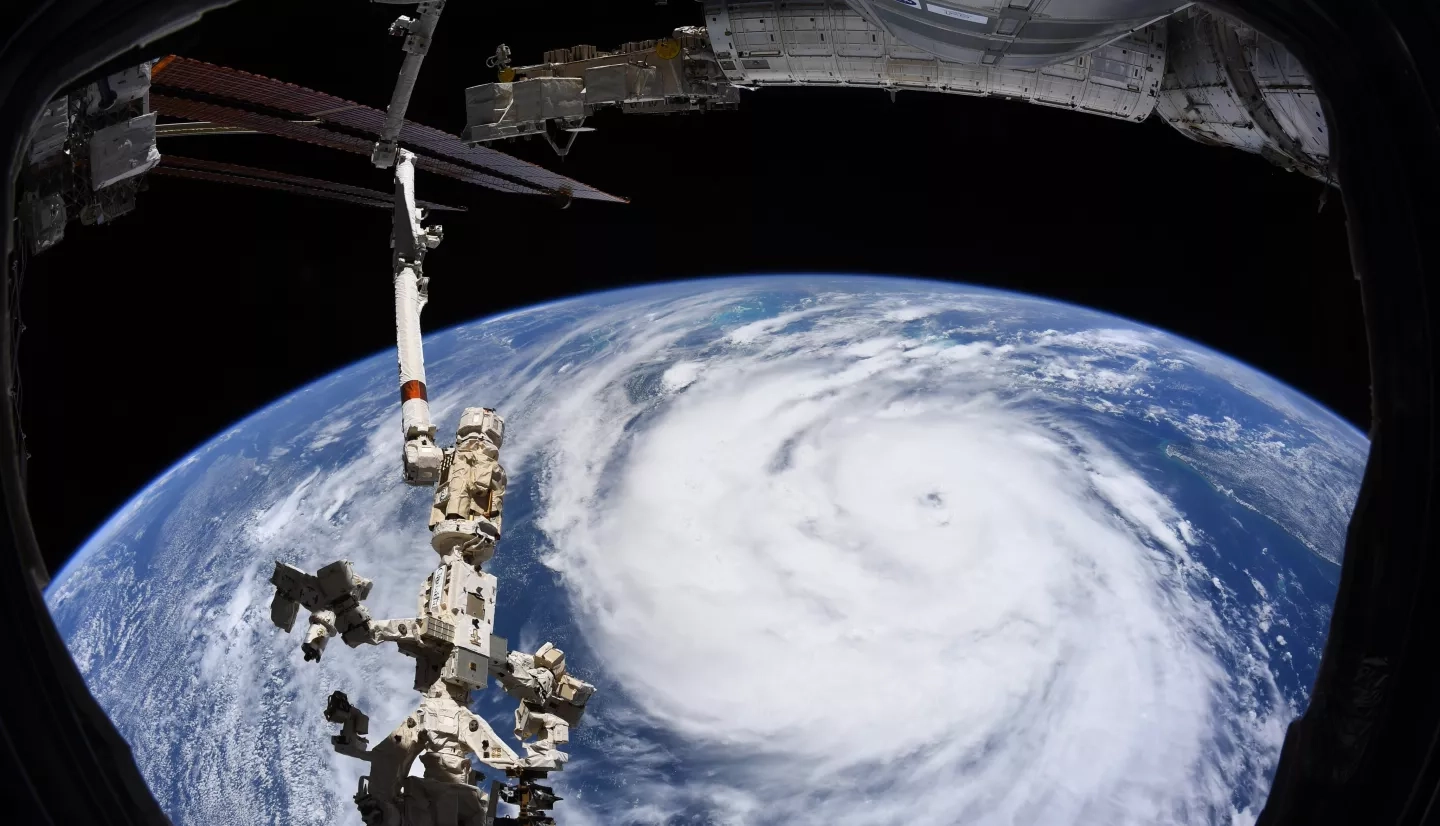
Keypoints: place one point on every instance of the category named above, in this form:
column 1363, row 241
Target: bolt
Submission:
column 474, row 725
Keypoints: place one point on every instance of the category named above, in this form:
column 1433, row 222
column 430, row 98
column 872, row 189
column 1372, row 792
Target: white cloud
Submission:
column 757, row 329
column 854, row 573
column 875, row 604
column 681, row 374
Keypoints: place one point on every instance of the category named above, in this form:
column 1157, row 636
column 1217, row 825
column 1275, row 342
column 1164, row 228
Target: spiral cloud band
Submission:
column 880, row 577
column 835, row 551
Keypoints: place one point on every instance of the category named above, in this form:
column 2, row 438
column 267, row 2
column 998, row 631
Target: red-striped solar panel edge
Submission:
column 242, row 87
column 251, row 176
column 239, row 180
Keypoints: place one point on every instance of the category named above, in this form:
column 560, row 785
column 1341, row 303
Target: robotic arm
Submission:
column 332, row 596
column 450, row 637
column 422, row 457
column 551, row 701
column 417, row 32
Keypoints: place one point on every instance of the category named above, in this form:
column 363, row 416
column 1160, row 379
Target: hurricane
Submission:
column 833, row 551
column 900, row 570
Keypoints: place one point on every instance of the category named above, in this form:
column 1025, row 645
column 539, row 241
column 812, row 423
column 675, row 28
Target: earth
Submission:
column 834, row 550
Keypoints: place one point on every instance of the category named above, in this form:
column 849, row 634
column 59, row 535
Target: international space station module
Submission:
column 1215, row 79
column 1212, row 78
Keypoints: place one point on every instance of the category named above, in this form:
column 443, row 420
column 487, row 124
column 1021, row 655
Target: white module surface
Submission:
column 829, row 43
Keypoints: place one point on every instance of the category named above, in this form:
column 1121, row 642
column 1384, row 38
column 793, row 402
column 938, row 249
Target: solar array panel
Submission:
column 221, row 178
column 230, row 173
column 269, row 124
column 344, row 125
column 317, row 134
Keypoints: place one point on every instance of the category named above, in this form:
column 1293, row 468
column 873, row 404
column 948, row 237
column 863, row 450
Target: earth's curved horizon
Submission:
column 99, row 532
column 835, row 549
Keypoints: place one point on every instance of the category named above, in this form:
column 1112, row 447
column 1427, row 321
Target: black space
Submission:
column 146, row 337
